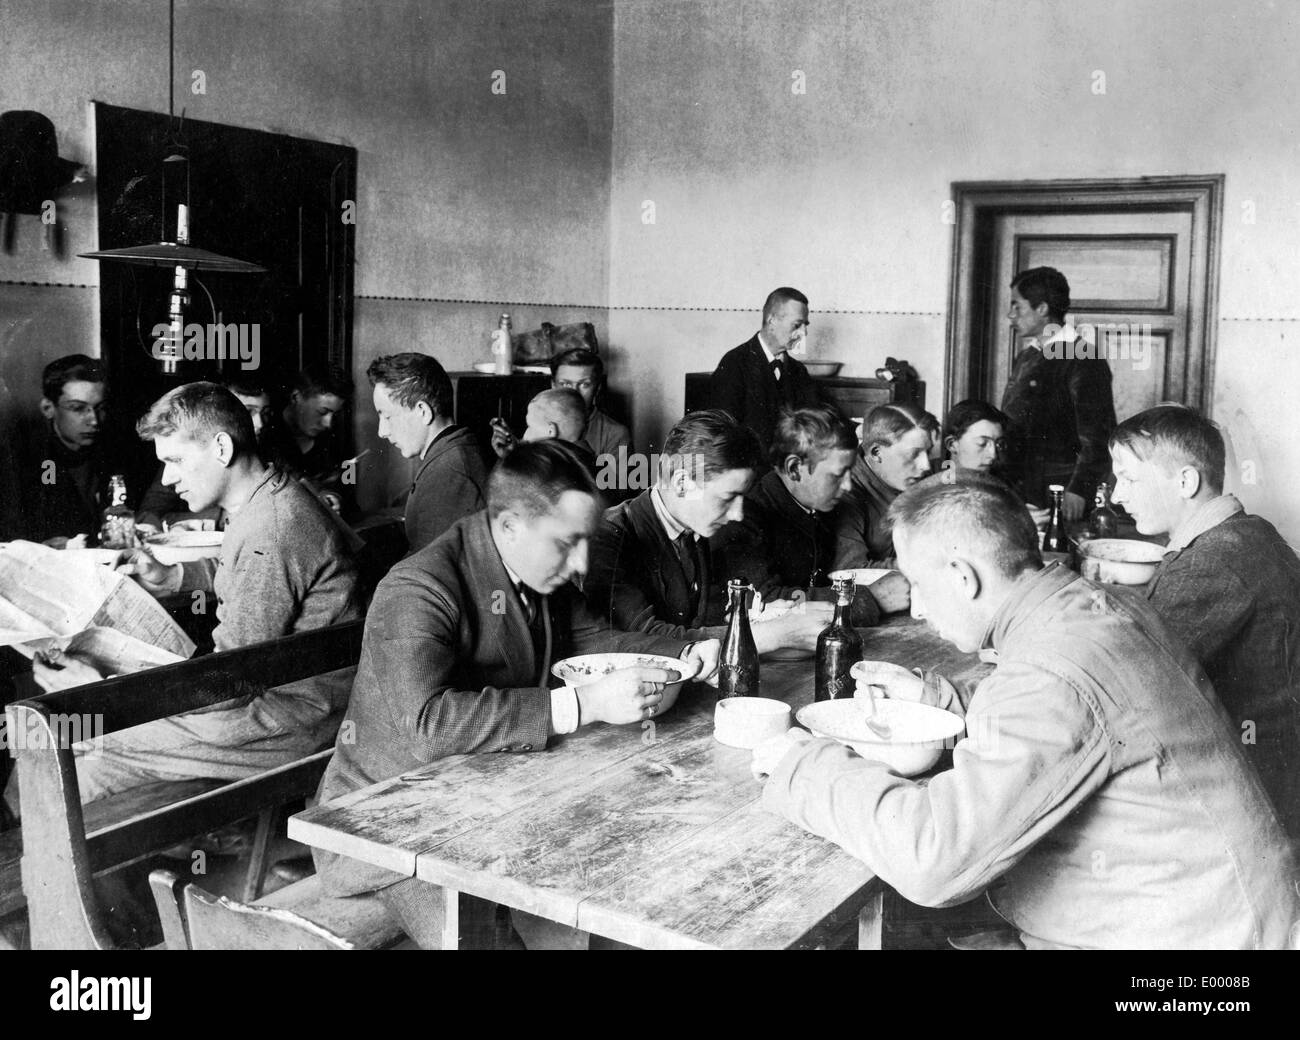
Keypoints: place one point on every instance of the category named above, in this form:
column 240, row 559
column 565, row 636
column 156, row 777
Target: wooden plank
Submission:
column 129, row 700
column 390, row 823
column 548, row 856
column 752, row 881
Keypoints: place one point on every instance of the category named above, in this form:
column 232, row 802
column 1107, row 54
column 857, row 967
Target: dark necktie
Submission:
column 688, row 551
column 778, row 366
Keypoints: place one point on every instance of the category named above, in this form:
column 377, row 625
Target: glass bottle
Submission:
column 738, row 664
column 1054, row 537
column 839, row 647
column 501, row 346
column 1103, row 523
column 117, row 531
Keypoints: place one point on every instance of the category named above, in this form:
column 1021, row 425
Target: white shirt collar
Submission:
column 671, row 527
column 762, row 342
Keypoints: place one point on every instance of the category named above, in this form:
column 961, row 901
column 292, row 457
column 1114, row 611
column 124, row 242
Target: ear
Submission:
column 678, row 481
column 1189, row 482
column 966, row 579
column 554, row 430
column 225, row 449
column 48, row 408
column 791, row 467
column 948, row 443
column 425, row 412
column 873, row 453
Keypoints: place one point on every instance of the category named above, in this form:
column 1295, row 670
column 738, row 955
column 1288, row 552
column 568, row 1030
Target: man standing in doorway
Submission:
column 1060, row 405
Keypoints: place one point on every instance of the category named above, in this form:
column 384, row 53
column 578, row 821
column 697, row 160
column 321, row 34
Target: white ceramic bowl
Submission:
column 587, row 668
column 823, row 369
column 745, row 722
column 1119, row 561
column 917, row 736
column 184, row 546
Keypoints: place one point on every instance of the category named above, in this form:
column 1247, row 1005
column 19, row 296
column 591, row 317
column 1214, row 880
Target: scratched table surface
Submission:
column 651, row 835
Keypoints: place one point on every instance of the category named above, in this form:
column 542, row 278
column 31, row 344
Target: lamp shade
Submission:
column 169, row 254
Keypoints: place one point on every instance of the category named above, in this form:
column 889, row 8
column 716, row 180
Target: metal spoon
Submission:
column 877, row 726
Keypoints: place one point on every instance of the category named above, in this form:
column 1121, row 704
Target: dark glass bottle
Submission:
column 839, row 648
column 738, row 666
column 1054, row 537
column 1103, row 523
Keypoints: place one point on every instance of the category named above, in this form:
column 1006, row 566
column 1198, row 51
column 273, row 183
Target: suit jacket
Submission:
column 743, row 384
column 1062, row 413
column 448, row 667
column 450, row 483
column 636, row 579
column 784, row 550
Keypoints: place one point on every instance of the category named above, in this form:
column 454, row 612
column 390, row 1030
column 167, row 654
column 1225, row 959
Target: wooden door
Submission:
column 1137, row 251
column 1130, row 281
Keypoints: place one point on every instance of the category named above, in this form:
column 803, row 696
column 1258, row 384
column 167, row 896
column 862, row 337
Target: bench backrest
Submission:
column 60, row 859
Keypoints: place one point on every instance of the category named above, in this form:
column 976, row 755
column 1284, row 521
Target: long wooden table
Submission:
column 651, row 835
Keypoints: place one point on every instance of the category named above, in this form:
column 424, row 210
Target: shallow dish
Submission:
column 918, row 731
column 587, row 668
column 1119, row 561
column 184, row 546
column 823, row 369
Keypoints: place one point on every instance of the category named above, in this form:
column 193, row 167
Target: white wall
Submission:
column 840, row 191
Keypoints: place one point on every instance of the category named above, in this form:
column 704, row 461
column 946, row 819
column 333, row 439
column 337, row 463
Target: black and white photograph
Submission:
column 651, row 474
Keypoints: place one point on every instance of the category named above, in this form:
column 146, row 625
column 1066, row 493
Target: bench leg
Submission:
column 871, row 921
column 257, row 863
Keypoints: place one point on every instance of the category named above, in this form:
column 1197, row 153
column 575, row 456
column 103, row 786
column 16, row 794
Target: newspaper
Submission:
column 51, row 599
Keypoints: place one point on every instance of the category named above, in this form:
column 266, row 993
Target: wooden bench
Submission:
column 64, row 846
column 299, row 917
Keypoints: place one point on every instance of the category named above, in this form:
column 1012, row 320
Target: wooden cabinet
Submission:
column 854, row 397
column 481, row 397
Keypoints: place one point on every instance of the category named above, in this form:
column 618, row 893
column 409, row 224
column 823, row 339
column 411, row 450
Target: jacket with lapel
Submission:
column 635, row 579
column 450, row 482
column 448, row 667
column 784, row 550
column 743, row 384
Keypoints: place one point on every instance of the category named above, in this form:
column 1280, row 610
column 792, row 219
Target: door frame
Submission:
column 979, row 203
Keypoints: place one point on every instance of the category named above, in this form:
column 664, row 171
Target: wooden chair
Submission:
column 65, row 847
column 299, row 917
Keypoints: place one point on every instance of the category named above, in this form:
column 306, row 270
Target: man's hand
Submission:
column 768, row 755
column 622, row 697
column 707, row 652
column 55, row 670
column 797, row 630
column 1072, row 507
column 141, row 564
column 503, row 441
column 893, row 593
column 891, row 679
column 332, row 499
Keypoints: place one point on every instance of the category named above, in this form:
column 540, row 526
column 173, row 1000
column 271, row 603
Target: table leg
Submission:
column 871, row 920
column 451, row 919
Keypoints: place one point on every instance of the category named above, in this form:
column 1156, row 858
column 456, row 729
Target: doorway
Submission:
column 1141, row 257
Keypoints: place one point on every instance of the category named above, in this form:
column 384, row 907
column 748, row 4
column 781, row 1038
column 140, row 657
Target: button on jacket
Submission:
column 1100, row 795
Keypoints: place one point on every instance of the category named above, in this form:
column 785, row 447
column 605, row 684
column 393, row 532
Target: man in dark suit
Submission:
column 458, row 647
column 786, row 542
column 651, row 566
column 412, row 397
column 757, row 379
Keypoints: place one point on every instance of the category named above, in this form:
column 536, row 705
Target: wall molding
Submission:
column 48, row 285
column 633, row 307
